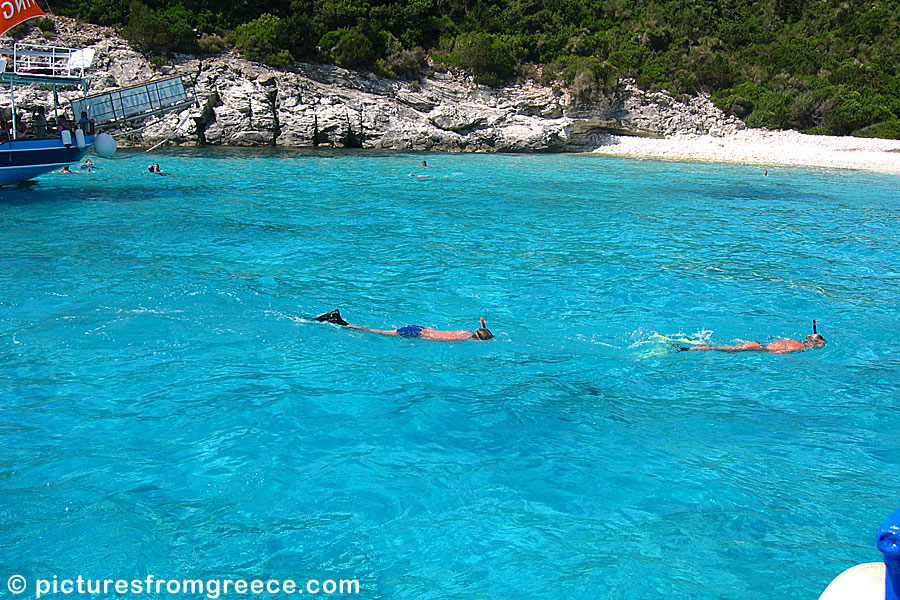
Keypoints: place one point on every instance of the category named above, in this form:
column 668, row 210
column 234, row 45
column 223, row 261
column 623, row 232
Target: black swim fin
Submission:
column 332, row 317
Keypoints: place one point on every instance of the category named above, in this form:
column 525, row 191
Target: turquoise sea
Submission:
column 168, row 407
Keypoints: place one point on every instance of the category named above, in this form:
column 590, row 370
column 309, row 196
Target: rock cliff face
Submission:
column 240, row 103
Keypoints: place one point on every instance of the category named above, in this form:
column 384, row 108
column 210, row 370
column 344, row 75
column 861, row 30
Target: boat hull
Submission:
column 21, row 160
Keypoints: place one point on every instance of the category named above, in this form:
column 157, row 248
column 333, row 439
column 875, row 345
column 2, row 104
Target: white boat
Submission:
column 59, row 142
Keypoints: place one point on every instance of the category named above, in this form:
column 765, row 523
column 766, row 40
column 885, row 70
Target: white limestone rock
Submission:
column 249, row 104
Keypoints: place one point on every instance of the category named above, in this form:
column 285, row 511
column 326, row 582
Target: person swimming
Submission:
column 777, row 347
column 414, row 331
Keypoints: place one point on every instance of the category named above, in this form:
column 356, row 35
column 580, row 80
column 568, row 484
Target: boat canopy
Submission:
column 33, row 63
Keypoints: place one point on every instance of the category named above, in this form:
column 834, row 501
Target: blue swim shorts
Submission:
column 410, row 331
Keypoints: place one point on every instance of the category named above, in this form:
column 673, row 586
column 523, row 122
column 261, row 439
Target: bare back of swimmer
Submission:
column 777, row 347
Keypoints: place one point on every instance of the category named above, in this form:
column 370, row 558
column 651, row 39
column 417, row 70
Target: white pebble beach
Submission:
column 767, row 149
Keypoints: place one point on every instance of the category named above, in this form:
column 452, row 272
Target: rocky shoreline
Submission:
column 239, row 103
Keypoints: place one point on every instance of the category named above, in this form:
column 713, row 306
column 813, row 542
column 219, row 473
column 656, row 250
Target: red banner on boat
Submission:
column 13, row 12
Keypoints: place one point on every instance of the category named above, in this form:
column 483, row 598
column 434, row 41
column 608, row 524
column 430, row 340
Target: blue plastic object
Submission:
column 889, row 544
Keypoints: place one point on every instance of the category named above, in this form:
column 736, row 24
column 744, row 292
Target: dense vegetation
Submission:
column 823, row 66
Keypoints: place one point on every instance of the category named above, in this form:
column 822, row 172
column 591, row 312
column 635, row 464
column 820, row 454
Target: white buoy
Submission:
column 104, row 145
column 862, row 582
column 66, row 136
column 79, row 138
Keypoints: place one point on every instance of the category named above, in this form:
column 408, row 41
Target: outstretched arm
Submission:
column 381, row 331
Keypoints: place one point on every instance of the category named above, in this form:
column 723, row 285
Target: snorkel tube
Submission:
column 483, row 333
column 815, row 339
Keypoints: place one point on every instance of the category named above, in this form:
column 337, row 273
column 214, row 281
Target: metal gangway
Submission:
column 135, row 102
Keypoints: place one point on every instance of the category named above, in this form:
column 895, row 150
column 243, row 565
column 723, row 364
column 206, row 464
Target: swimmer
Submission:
column 66, row 169
column 777, row 347
column 89, row 165
column 155, row 169
column 415, row 331
column 425, row 165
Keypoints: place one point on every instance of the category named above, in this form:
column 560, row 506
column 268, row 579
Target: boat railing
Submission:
column 53, row 61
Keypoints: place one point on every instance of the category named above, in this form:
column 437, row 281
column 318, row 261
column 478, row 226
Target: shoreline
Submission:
column 765, row 148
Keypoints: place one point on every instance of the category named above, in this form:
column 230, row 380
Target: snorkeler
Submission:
column 415, row 331
column 777, row 347
column 89, row 165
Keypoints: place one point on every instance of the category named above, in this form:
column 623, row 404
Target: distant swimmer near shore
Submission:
column 777, row 347
column 414, row 331
column 425, row 165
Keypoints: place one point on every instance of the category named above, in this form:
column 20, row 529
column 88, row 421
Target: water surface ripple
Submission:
column 169, row 408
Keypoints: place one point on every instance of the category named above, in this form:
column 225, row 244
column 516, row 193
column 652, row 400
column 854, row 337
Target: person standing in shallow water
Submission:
column 414, row 331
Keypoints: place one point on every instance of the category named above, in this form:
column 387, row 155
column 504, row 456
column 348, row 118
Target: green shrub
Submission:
column 102, row 12
column 211, row 44
column 771, row 111
column 809, row 109
column 716, row 73
column 889, row 130
column 350, row 48
column 628, row 57
column 740, row 107
column 586, row 76
column 160, row 32
column 258, row 40
column 46, row 25
column 403, row 63
column 337, row 14
column 490, row 58
column 299, row 35
column 850, row 111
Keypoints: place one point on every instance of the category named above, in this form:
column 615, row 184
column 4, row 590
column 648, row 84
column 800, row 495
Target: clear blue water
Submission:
column 169, row 408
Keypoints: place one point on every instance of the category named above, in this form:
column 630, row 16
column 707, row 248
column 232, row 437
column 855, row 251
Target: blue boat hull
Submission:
column 21, row 160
